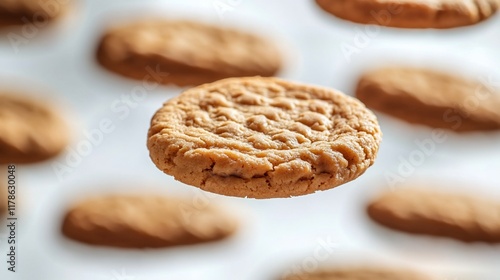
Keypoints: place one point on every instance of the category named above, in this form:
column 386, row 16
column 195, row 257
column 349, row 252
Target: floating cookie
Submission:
column 412, row 13
column 431, row 98
column 145, row 221
column 359, row 274
column 458, row 216
column 20, row 12
column 185, row 53
column 30, row 131
column 263, row 138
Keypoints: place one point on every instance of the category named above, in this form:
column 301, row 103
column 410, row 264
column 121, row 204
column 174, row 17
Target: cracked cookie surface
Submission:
column 459, row 216
column 432, row 98
column 360, row 273
column 30, row 131
column 145, row 221
column 263, row 138
column 412, row 13
column 185, row 52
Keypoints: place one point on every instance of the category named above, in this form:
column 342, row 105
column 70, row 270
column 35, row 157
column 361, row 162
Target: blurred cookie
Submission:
column 263, row 138
column 3, row 196
column 185, row 52
column 145, row 221
column 412, row 13
column 458, row 216
column 359, row 274
column 19, row 12
column 431, row 98
column 30, row 131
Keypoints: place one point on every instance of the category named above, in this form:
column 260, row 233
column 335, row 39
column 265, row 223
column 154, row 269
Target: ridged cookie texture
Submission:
column 185, row 52
column 421, row 211
column 145, row 221
column 263, row 138
column 413, row 13
column 432, row 98
column 30, row 130
column 19, row 12
column 359, row 273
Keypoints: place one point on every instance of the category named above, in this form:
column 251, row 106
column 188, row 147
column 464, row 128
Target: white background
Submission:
column 57, row 63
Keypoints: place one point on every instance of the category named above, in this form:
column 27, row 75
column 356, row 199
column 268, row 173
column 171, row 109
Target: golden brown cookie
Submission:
column 185, row 52
column 359, row 273
column 412, row 13
column 145, row 221
column 263, row 138
column 19, row 12
column 435, row 99
column 30, row 130
column 421, row 211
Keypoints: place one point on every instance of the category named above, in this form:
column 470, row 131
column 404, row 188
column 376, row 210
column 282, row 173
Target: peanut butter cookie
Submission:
column 145, row 221
column 185, row 52
column 359, row 274
column 3, row 196
column 30, row 131
column 19, row 12
column 412, row 13
column 263, row 138
column 420, row 211
column 431, row 98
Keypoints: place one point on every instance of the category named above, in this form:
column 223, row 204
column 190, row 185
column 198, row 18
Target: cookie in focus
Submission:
column 263, row 138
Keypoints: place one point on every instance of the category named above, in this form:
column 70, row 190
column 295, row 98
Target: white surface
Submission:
column 278, row 234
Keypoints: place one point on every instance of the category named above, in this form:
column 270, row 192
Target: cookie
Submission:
column 3, row 196
column 431, row 98
column 263, row 138
column 453, row 215
column 145, row 221
column 360, row 273
column 20, row 12
column 412, row 13
column 185, row 52
column 30, row 130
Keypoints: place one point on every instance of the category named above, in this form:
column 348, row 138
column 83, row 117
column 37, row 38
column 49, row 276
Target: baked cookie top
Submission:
column 431, row 97
column 263, row 138
column 413, row 13
column 360, row 273
column 30, row 131
column 188, row 48
column 142, row 221
column 415, row 210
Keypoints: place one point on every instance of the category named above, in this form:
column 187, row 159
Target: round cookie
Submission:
column 360, row 273
column 462, row 217
column 263, row 138
column 20, row 12
column 30, row 131
column 435, row 99
column 185, row 52
column 412, row 13
column 145, row 221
